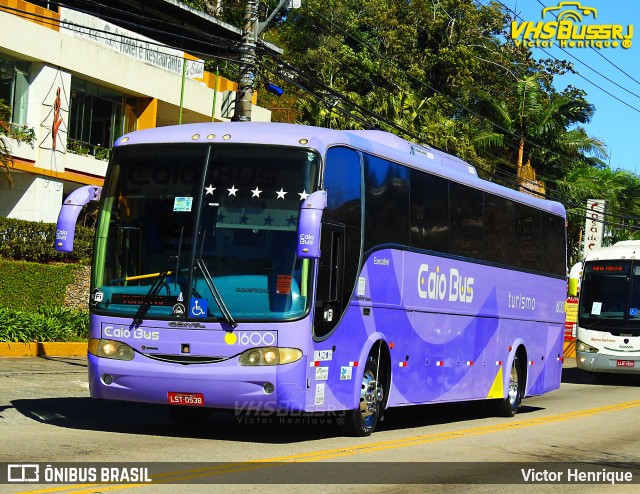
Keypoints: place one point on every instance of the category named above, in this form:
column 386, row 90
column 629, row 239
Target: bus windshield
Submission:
column 203, row 232
column 610, row 296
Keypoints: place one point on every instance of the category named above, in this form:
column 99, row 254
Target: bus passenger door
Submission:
column 329, row 303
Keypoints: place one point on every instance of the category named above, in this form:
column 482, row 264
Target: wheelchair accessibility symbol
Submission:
column 198, row 307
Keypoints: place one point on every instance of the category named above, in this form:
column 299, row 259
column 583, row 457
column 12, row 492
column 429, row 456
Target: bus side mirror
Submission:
column 573, row 287
column 66, row 227
column 309, row 225
column 574, row 279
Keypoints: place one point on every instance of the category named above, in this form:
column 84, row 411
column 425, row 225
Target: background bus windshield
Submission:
column 179, row 223
column 610, row 295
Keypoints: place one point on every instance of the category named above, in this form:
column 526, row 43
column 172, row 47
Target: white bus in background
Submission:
column 608, row 336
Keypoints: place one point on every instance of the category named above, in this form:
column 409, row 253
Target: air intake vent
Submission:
column 185, row 359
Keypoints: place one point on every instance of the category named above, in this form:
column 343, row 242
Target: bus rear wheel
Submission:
column 507, row 407
column 362, row 421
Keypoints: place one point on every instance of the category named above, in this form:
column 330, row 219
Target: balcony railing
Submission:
column 85, row 149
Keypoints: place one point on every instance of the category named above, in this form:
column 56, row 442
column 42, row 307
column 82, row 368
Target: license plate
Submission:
column 188, row 399
column 626, row 363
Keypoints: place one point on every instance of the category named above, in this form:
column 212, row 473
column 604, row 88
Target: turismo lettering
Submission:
column 521, row 302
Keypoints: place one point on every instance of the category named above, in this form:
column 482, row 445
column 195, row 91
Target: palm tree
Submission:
column 426, row 120
column 619, row 188
column 316, row 111
column 536, row 121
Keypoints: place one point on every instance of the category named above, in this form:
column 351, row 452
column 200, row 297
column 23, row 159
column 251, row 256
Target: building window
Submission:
column 14, row 87
column 46, row 4
column 99, row 115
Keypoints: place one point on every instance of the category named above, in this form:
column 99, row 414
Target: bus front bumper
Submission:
column 595, row 362
column 225, row 385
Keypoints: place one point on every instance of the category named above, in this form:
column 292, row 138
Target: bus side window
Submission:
column 340, row 241
column 467, row 221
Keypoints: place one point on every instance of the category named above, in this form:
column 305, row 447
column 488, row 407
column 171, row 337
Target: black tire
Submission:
column 189, row 417
column 508, row 406
column 362, row 421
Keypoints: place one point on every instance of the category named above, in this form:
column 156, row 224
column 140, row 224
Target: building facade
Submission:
column 75, row 82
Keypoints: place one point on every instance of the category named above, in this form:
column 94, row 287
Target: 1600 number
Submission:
column 256, row 338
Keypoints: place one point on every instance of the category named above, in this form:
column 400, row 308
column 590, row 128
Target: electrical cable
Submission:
column 371, row 121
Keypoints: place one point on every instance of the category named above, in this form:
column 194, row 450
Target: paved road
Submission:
column 46, row 416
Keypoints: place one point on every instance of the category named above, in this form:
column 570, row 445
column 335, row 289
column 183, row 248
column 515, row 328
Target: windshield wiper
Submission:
column 208, row 279
column 149, row 296
column 157, row 285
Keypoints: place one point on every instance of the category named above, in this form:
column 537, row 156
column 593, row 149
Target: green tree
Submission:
column 619, row 188
column 535, row 123
column 314, row 111
column 446, row 74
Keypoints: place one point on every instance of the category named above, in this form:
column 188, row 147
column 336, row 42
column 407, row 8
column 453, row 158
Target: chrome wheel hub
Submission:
column 371, row 395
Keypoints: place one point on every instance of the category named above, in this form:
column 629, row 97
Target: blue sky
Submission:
column 614, row 121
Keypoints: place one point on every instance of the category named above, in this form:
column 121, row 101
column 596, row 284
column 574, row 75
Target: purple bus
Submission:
column 276, row 267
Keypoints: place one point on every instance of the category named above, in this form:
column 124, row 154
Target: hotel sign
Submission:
column 127, row 43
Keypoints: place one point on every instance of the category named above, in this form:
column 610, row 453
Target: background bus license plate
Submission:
column 189, row 399
column 626, row 363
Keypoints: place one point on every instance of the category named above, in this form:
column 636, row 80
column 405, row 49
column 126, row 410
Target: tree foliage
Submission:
column 446, row 74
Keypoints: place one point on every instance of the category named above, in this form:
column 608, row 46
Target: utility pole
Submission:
column 248, row 61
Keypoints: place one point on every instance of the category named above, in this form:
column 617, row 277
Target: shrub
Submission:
column 34, row 241
column 33, row 285
column 45, row 324
column 29, row 285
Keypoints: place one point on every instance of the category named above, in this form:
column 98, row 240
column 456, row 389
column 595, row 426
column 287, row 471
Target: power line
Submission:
column 602, row 56
column 207, row 40
column 578, row 73
column 369, row 119
column 518, row 182
column 373, row 50
column 377, row 119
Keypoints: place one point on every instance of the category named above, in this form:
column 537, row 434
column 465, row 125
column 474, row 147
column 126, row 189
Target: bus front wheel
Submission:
column 507, row 407
column 363, row 420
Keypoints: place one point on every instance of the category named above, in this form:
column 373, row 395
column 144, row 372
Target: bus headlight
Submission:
column 581, row 346
column 110, row 349
column 269, row 356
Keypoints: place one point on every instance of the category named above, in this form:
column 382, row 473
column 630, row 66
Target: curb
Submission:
column 45, row 349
